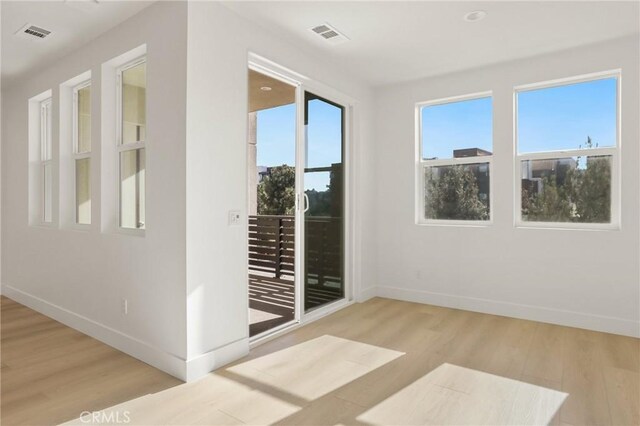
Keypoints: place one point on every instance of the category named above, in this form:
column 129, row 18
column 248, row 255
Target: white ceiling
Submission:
column 390, row 41
column 72, row 23
column 396, row 41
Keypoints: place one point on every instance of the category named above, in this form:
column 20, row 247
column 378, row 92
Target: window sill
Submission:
column 558, row 226
column 42, row 225
column 131, row 231
column 80, row 227
column 456, row 223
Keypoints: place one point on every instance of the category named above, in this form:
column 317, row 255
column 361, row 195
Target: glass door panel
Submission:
column 272, row 236
column 324, row 202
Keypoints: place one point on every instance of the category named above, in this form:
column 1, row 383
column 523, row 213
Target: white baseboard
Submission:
column 514, row 310
column 203, row 364
column 160, row 359
column 367, row 293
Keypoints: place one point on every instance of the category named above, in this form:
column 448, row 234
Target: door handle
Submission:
column 306, row 202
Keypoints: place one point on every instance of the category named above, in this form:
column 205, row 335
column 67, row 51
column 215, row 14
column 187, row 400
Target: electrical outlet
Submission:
column 234, row 218
column 124, row 306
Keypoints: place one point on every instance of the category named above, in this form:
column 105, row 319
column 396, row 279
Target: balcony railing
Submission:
column 272, row 245
column 272, row 264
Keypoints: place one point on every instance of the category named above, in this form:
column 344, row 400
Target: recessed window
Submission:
column 46, row 166
column 132, row 142
column 567, row 138
column 82, row 151
column 134, row 100
column 454, row 168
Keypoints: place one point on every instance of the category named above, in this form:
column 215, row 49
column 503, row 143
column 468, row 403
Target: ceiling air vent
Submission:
column 33, row 32
column 329, row 34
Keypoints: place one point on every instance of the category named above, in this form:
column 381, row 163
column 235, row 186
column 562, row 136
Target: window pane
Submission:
column 47, row 193
column 84, row 120
column 457, row 129
column 324, row 272
column 134, row 101
column 83, row 191
column 574, row 189
column 46, row 130
column 457, row 192
column 581, row 115
column 132, row 185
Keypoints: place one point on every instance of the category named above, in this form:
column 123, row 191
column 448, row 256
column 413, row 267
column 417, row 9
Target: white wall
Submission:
column 80, row 277
column 587, row 279
column 218, row 44
column 186, row 278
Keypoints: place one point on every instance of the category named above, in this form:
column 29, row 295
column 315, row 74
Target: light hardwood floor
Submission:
column 387, row 361
column 50, row 373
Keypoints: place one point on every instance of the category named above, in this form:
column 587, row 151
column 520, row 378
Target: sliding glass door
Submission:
column 296, row 221
column 323, row 214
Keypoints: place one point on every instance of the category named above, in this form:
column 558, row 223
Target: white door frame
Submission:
column 304, row 84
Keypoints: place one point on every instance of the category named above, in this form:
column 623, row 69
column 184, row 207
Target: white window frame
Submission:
column 46, row 156
column 76, row 154
column 614, row 152
column 421, row 164
column 122, row 147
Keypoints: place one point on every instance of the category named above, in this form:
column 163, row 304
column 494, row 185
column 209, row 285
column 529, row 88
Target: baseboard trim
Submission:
column 202, row 365
column 367, row 293
column 514, row 310
column 169, row 363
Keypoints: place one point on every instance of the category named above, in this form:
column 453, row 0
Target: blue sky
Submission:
column 276, row 139
column 562, row 117
column 456, row 125
column 548, row 119
column 277, row 136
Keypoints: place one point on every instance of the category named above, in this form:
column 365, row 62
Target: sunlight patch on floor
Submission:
column 213, row 400
column 261, row 391
column 316, row 367
column 456, row 395
column 256, row 316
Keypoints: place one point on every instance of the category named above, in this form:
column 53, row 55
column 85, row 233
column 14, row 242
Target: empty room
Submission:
column 320, row 212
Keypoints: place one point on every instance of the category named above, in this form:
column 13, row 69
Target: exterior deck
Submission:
column 272, row 264
column 271, row 302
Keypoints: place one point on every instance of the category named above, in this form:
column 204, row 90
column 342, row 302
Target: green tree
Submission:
column 551, row 204
column 582, row 194
column 453, row 194
column 593, row 189
column 328, row 202
column 593, row 199
column 276, row 192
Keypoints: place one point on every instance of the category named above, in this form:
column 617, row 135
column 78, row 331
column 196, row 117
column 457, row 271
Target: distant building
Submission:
column 470, row 152
column 534, row 172
column 481, row 172
column 263, row 171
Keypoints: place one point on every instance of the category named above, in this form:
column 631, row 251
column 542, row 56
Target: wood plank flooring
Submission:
column 50, row 373
column 373, row 363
